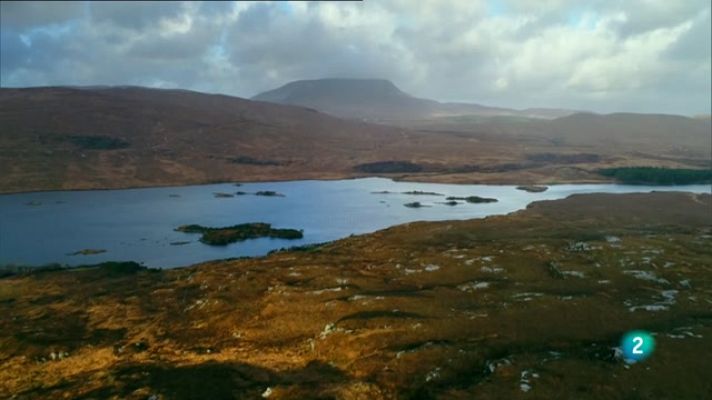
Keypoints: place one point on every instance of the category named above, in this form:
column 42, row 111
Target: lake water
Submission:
column 138, row 224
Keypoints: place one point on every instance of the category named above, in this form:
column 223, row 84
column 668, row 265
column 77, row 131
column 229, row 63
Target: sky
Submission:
column 605, row 56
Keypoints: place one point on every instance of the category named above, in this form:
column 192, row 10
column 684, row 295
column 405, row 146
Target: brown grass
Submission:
column 454, row 309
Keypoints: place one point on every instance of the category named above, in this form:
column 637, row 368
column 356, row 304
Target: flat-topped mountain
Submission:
column 355, row 90
column 353, row 98
column 380, row 100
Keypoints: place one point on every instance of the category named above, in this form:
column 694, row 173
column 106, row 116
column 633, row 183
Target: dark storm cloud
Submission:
column 638, row 55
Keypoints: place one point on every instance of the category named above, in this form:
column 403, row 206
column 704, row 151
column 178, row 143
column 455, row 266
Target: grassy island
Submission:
column 411, row 193
column 239, row 233
column 533, row 188
column 422, row 193
column 87, row 252
column 268, row 193
column 473, row 199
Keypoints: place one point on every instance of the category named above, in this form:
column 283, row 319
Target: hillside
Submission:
column 380, row 100
column 118, row 137
column 52, row 138
column 672, row 131
column 653, row 136
column 527, row 305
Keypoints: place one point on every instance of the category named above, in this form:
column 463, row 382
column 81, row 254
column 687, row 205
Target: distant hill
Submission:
column 647, row 130
column 658, row 136
column 381, row 100
column 117, row 137
column 61, row 137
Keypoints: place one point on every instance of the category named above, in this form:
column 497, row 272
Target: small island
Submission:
column 415, row 204
column 473, row 199
column 410, row 192
column 87, row 252
column 533, row 188
column 239, row 233
column 451, row 203
column 268, row 193
column 221, row 195
column 265, row 193
column 422, row 193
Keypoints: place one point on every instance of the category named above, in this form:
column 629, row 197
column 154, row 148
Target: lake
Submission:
column 138, row 224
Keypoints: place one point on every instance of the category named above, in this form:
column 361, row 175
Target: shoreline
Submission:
column 402, row 179
column 514, row 178
column 398, row 178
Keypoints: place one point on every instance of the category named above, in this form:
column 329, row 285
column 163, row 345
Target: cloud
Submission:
column 30, row 14
column 638, row 55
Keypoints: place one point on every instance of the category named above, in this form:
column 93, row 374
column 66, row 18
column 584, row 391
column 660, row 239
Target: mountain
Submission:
column 380, row 100
column 373, row 99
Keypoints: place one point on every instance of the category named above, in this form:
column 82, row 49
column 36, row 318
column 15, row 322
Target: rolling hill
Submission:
column 55, row 138
column 672, row 131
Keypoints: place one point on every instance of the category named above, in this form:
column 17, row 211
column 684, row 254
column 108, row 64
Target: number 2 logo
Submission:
column 638, row 343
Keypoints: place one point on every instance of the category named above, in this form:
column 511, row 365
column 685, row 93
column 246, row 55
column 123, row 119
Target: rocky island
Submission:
column 268, row 193
column 87, row 252
column 238, row 233
column 472, row 199
column 410, row 193
column 422, row 193
column 533, row 188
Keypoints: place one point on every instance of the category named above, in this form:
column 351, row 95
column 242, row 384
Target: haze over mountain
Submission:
column 381, row 100
column 648, row 56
